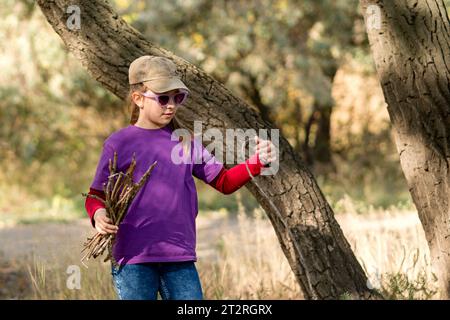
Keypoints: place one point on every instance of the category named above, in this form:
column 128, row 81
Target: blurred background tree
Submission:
column 305, row 65
column 51, row 114
column 281, row 56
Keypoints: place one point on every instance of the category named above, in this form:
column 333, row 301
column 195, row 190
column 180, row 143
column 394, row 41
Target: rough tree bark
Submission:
column 309, row 235
column 411, row 48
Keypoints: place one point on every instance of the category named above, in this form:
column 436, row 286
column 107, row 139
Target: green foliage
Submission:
column 278, row 55
column 50, row 108
column 399, row 287
column 55, row 117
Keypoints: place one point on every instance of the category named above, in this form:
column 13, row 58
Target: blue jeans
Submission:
column 142, row 281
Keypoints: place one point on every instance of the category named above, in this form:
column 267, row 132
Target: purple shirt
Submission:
column 159, row 225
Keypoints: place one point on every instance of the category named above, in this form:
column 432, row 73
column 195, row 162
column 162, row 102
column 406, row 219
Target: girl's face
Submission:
column 151, row 114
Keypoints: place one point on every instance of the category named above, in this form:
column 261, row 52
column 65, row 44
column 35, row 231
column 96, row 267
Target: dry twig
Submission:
column 119, row 193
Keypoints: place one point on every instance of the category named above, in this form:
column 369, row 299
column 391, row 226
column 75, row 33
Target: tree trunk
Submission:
column 309, row 235
column 411, row 48
column 322, row 143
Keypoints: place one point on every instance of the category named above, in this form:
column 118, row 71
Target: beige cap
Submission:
column 159, row 74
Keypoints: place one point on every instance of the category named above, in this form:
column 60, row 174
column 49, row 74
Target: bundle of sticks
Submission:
column 120, row 191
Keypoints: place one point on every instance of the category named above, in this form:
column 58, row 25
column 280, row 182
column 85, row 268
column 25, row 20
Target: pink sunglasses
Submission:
column 163, row 99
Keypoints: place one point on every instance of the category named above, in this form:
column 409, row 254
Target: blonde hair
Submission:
column 134, row 110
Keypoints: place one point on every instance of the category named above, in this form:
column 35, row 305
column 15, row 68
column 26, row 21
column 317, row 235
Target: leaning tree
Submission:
column 317, row 251
column 410, row 41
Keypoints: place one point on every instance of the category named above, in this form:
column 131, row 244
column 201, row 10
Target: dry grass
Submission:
column 391, row 246
column 239, row 258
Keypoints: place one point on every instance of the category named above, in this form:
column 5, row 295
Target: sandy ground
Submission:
column 45, row 241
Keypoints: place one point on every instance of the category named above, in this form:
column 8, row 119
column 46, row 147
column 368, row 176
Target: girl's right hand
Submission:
column 103, row 223
column 266, row 150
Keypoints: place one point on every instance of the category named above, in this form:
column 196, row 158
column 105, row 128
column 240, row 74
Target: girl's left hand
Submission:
column 266, row 150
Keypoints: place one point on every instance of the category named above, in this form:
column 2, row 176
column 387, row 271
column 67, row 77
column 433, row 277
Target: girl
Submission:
column 155, row 245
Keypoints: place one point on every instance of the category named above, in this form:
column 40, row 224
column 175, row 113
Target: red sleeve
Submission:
column 92, row 204
column 228, row 181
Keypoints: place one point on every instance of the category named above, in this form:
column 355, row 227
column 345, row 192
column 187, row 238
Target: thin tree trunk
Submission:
column 307, row 150
column 322, row 145
column 254, row 94
column 309, row 235
column 322, row 141
column 411, row 48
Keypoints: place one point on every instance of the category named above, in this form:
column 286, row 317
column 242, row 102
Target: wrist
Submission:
column 254, row 164
column 96, row 212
